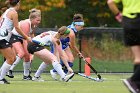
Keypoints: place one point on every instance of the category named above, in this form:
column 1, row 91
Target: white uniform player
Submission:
column 46, row 39
column 6, row 26
column 30, row 31
column 20, row 44
column 8, row 21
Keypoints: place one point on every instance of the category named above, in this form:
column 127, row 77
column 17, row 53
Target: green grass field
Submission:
column 111, row 84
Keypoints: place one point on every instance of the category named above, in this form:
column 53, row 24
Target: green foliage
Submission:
column 104, row 46
column 56, row 13
column 111, row 49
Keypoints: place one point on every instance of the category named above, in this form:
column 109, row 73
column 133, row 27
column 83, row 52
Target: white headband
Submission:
column 79, row 23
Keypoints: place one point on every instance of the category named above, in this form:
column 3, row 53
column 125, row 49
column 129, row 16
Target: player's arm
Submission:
column 56, row 44
column 73, row 44
column 113, row 7
column 32, row 34
column 64, row 58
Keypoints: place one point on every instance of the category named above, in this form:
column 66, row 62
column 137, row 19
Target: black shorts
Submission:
column 131, row 31
column 4, row 44
column 32, row 47
column 15, row 38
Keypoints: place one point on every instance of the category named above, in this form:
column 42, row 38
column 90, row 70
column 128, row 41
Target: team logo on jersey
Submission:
column 4, row 33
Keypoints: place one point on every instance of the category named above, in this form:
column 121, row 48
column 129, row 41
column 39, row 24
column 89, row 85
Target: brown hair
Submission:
column 78, row 18
column 3, row 6
column 34, row 13
column 13, row 2
column 62, row 29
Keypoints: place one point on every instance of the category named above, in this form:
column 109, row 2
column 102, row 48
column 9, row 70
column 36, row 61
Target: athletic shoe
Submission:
column 53, row 74
column 131, row 85
column 39, row 79
column 4, row 81
column 68, row 77
column 10, row 74
column 27, row 77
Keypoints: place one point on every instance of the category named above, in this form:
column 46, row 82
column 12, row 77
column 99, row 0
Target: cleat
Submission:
column 4, row 81
column 68, row 77
column 27, row 77
column 53, row 74
column 131, row 85
column 39, row 79
column 10, row 74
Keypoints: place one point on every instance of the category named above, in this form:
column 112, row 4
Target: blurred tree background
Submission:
column 56, row 13
column 103, row 45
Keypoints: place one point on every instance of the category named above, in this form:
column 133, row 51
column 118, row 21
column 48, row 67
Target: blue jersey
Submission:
column 72, row 27
column 65, row 41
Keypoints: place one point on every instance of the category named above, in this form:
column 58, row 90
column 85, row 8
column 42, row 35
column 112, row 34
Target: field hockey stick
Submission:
column 89, row 77
column 94, row 70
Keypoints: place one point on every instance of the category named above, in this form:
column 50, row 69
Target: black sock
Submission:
column 135, row 67
column 136, row 75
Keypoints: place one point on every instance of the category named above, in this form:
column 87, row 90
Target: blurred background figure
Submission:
column 130, row 20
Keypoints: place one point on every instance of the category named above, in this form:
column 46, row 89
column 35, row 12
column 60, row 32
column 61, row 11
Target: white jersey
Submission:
column 6, row 25
column 45, row 38
column 17, row 34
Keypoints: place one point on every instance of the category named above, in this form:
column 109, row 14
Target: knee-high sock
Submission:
column 58, row 68
column 4, row 69
column 62, row 64
column 40, row 70
column 26, row 66
column 15, row 63
column 64, row 67
column 135, row 67
column 136, row 75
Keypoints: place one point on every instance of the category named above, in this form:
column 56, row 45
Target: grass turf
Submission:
column 112, row 84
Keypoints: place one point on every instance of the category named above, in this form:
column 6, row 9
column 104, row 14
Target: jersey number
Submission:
column 44, row 34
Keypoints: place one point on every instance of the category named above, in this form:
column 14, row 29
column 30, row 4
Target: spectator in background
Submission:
column 8, row 21
column 130, row 19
